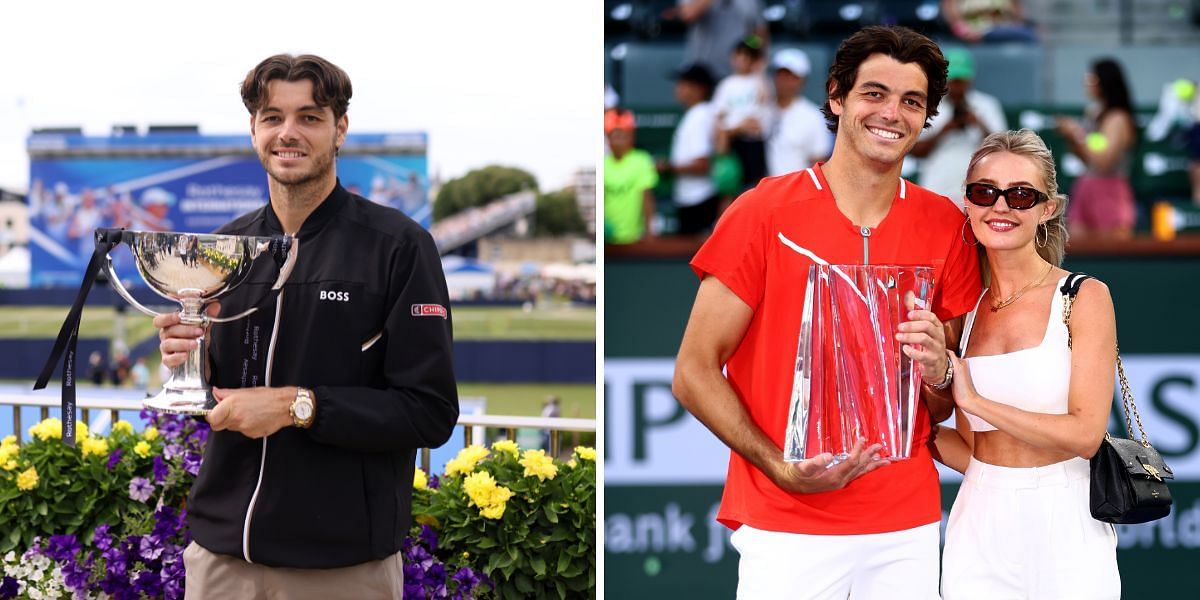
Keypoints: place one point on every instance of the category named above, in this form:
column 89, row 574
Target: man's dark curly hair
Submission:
column 902, row 44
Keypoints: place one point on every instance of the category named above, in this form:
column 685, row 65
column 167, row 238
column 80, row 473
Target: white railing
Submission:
column 470, row 423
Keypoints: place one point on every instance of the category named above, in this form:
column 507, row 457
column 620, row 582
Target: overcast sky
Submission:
column 517, row 83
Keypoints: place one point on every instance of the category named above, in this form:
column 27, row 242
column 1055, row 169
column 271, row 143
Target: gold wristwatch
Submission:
column 303, row 408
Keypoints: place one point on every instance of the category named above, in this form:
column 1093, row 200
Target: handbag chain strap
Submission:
column 1069, row 289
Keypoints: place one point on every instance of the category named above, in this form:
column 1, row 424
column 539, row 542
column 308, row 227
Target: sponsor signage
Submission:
column 664, row 472
column 182, row 182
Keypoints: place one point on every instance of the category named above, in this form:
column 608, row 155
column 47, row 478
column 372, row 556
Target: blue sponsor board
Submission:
column 183, row 182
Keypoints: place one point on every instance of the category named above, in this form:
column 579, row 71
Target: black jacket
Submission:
column 340, row 492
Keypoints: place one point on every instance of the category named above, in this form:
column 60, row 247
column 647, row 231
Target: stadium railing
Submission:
column 470, row 423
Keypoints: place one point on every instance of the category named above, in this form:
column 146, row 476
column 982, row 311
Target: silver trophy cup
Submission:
column 195, row 270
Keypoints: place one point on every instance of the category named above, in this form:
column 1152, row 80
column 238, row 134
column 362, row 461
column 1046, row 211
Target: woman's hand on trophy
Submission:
column 814, row 474
column 924, row 339
column 253, row 412
column 176, row 339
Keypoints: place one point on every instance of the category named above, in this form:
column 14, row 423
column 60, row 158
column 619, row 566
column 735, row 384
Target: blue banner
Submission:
column 183, row 182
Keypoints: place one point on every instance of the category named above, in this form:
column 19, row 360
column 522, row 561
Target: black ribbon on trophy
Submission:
column 68, row 336
column 282, row 249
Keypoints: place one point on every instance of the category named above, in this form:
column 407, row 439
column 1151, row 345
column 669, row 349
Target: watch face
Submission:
column 303, row 410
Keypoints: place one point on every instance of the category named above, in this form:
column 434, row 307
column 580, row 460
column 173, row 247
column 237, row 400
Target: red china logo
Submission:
column 429, row 310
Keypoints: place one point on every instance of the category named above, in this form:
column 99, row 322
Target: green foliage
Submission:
column 543, row 545
column 558, row 214
column 76, row 490
column 480, row 187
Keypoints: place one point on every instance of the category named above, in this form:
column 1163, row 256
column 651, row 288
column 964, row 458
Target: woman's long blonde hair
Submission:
column 1026, row 143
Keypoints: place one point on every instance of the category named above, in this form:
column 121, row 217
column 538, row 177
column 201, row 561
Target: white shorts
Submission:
column 1028, row 533
column 899, row 565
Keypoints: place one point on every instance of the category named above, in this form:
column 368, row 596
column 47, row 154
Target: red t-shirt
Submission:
column 747, row 254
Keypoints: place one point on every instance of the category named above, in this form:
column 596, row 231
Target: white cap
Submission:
column 792, row 59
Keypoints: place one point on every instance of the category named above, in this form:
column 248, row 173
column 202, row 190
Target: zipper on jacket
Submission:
column 262, row 465
column 866, row 235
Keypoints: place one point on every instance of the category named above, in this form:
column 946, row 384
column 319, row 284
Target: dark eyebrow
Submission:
column 875, row 85
column 305, row 108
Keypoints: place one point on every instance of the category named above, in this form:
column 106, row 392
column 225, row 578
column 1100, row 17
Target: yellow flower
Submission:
column 48, row 429
column 586, row 453
column 420, row 480
column 10, row 465
column 9, row 440
column 466, row 554
column 466, row 460
column 537, row 464
column 571, row 463
column 8, row 451
column 142, row 449
column 493, row 512
column 27, row 480
column 95, row 447
column 508, row 446
column 484, row 492
column 122, row 426
column 81, row 430
column 151, row 433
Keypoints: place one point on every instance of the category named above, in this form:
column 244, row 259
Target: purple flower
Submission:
column 150, row 548
column 114, row 457
column 166, row 523
column 149, row 584
column 170, row 427
column 160, row 469
column 62, row 547
column 411, row 590
column 191, row 463
column 140, row 489
column 434, row 482
column 172, row 451
column 102, row 540
column 429, row 536
column 77, row 574
column 8, row 588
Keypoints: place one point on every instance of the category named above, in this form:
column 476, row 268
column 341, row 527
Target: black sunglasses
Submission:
column 1019, row 197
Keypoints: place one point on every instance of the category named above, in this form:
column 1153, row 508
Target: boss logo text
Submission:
column 335, row 296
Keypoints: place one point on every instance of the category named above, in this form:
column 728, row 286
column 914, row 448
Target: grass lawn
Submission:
column 525, row 399
column 470, row 323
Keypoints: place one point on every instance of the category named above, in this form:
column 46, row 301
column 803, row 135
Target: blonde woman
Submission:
column 1029, row 410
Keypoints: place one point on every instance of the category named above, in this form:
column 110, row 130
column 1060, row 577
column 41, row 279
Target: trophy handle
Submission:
column 285, row 271
column 116, row 284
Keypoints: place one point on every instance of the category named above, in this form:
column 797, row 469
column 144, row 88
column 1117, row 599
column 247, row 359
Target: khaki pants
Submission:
column 223, row 577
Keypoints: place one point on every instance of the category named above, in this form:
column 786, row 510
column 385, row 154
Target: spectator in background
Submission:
column 987, row 21
column 964, row 118
column 714, row 28
column 798, row 136
column 1102, row 203
column 629, row 180
column 550, row 409
column 96, row 370
column 1193, row 148
column 139, row 375
column 119, row 371
column 695, row 194
column 740, row 102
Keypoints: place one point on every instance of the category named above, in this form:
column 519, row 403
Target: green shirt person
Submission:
column 629, row 180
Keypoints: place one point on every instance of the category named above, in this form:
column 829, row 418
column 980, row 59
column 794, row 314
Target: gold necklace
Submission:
column 999, row 304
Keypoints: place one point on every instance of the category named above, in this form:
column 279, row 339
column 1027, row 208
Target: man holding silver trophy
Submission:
column 862, row 521
column 323, row 395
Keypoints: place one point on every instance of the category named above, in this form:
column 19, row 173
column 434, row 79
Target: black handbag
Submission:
column 1128, row 476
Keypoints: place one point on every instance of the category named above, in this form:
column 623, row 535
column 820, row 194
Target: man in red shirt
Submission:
column 862, row 528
